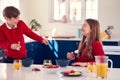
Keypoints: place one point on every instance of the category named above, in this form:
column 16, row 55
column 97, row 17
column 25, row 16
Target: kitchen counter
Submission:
column 70, row 39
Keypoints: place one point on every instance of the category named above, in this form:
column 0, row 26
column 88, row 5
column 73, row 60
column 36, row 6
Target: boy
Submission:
column 11, row 35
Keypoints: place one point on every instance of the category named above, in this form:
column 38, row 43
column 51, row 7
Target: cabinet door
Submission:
column 66, row 46
column 116, row 60
column 49, row 52
column 58, row 49
column 111, row 43
column 34, row 51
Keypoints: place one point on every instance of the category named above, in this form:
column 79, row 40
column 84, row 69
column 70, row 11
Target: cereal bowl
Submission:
column 27, row 62
column 62, row 62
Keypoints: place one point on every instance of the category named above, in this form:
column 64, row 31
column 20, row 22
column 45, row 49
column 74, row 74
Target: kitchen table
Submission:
column 7, row 72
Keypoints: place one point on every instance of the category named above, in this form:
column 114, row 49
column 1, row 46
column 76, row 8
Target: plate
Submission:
column 77, row 73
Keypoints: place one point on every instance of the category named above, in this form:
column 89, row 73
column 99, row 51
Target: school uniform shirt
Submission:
column 10, row 36
column 97, row 50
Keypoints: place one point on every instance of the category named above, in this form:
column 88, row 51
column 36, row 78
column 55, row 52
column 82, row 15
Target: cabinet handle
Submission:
column 77, row 43
column 32, row 44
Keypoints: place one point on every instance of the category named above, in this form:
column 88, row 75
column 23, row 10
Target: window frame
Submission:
column 83, row 12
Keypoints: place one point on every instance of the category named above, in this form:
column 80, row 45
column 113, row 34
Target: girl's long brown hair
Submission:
column 94, row 36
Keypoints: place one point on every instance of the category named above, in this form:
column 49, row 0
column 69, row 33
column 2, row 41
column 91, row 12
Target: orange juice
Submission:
column 91, row 68
column 102, row 70
column 17, row 64
column 47, row 62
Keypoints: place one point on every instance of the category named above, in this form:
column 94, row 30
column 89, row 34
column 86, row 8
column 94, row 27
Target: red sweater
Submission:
column 97, row 49
column 10, row 36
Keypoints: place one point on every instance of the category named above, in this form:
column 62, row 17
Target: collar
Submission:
column 10, row 27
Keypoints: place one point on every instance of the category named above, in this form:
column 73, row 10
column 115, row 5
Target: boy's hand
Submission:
column 44, row 41
column 16, row 46
column 82, row 64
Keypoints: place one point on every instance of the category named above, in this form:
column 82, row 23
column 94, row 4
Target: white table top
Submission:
column 7, row 72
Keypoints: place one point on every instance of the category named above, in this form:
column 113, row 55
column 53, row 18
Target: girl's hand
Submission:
column 44, row 41
column 82, row 64
column 70, row 55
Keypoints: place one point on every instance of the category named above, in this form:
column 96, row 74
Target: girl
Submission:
column 90, row 45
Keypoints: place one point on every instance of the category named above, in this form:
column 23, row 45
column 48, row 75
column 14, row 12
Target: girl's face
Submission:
column 86, row 29
column 12, row 21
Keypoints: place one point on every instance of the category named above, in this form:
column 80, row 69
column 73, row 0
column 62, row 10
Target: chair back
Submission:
column 2, row 55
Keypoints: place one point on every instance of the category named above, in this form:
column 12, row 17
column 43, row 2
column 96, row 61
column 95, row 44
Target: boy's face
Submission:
column 12, row 21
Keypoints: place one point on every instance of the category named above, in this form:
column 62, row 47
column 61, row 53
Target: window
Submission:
column 4, row 3
column 75, row 11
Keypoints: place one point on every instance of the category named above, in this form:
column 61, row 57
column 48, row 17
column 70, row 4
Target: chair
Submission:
column 2, row 55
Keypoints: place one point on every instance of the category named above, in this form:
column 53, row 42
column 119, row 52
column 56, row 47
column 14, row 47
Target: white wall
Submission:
column 109, row 14
column 39, row 9
column 24, row 9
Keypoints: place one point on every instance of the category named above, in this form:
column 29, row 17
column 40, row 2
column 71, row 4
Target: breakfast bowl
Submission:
column 27, row 62
column 62, row 62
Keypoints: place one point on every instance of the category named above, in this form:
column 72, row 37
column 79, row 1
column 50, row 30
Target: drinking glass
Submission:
column 91, row 66
column 17, row 64
column 102, row 66
column 47, row 62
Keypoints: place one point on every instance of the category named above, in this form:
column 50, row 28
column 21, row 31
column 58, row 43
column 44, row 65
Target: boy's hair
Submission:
column 10, row 12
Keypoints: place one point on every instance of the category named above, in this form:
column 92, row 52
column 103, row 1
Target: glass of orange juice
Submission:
column 17, row 64
column 91, row 66
column 47, row 62
column 102, row 70
column 102, row 66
